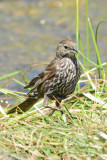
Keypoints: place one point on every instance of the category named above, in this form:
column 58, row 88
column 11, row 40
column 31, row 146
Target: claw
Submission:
column 54, row 109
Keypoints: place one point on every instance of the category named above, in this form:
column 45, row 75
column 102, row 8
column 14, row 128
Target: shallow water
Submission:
column 31, row 29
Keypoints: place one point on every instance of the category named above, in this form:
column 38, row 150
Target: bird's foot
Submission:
column 54, row 109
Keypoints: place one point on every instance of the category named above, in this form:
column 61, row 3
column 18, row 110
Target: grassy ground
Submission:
column 37, row 136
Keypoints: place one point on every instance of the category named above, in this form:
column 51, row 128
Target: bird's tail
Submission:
column 24, row 106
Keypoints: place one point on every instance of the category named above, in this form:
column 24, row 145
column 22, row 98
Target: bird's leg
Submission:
column 57, row 107
column 46, row 100
column 58, row 103
column 45, row 103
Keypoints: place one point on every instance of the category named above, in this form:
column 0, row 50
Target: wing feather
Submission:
column 39, row 79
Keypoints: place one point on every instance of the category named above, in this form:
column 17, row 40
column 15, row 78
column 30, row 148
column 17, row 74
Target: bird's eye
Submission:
column 66, row 47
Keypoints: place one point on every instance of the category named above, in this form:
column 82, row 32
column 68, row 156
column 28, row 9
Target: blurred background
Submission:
column 31, row 29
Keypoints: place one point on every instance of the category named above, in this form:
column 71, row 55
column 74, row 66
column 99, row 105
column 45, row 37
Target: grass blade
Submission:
column 87, row 32
column 96, row 33
column 96, row 48
column 11, row 93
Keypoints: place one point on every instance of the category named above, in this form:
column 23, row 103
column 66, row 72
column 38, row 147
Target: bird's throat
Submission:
column 74, row 60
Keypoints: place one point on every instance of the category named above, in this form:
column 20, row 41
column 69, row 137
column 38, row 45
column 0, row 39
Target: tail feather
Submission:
column 24, row 106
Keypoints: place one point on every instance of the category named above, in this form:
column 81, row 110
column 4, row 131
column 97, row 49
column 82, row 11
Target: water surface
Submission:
column 31, row 29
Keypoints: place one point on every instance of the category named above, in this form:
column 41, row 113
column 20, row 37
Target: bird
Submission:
column 56, row 82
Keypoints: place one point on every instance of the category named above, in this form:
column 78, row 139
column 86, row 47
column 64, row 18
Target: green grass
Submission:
column 39, row 136
column 36, row 135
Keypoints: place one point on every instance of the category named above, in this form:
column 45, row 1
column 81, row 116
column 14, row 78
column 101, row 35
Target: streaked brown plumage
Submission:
column 57, row 81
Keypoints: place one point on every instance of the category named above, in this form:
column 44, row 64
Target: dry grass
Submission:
column 37, row 136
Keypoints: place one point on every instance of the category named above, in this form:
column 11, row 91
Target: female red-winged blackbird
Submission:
column 57, row 81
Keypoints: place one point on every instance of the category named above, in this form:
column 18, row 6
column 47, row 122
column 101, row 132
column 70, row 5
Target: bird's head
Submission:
column 66, row 48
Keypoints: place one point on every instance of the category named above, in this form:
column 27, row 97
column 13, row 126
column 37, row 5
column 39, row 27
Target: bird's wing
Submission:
column 32, row 82
column 47, row 74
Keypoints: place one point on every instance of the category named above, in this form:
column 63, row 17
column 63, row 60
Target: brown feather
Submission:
column 58, row 80
column 24, row 106
column 47, row 74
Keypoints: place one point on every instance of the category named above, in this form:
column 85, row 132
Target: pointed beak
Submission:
column 75, row 49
